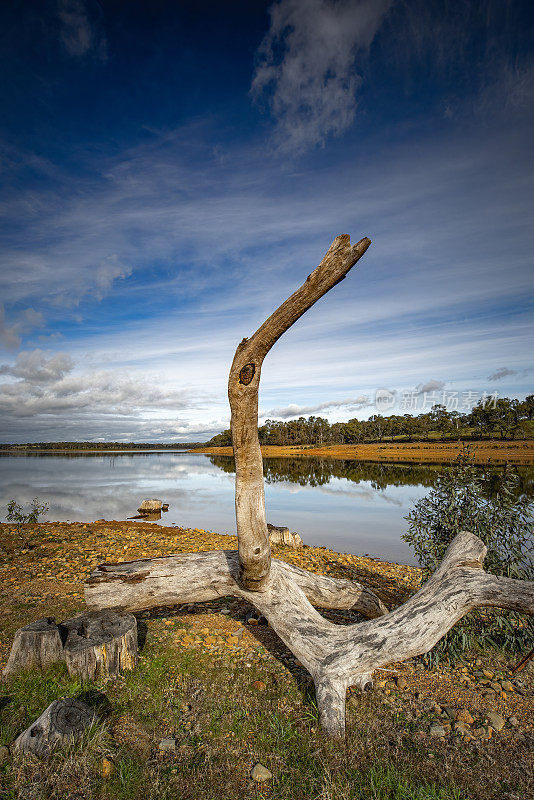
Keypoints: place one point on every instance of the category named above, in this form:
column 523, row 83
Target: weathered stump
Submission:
column 62, row 723
column 100, row 643
column 93, row 643
column 280, row 534
column 150, row 505
column 35, row 646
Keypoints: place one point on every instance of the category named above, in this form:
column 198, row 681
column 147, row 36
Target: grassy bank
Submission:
column 511, row 452
column 229, row 694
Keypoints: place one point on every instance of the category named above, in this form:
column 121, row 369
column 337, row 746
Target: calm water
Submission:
column 348, row 506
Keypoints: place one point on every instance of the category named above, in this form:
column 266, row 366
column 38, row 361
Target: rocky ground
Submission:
column 229, row 704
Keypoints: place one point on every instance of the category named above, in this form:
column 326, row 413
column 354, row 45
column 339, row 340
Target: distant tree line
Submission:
column 100, row 446
column 503, row 418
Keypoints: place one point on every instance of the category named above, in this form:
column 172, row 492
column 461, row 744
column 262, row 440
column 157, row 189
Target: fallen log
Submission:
column 93, row 643
column 198, row 577
column 61, row 724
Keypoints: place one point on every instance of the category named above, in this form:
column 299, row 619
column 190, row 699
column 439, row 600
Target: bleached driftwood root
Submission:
column 336, row 656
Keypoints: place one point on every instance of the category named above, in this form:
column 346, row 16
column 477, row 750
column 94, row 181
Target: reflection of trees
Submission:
column 319, row 471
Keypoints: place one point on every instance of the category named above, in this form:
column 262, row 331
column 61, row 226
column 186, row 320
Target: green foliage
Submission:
column 485, row 502
column 503, row 417
column 16, row 514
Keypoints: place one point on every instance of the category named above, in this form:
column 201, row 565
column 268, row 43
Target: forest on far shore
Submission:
column 503, row 418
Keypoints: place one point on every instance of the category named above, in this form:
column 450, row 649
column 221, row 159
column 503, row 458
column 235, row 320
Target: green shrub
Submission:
column 488, row 502
column 16, row 514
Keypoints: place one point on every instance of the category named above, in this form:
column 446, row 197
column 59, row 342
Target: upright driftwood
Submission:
column 243, row 384
column 336, row 656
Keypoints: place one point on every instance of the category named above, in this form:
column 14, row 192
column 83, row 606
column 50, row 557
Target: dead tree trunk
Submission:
column 336, row 656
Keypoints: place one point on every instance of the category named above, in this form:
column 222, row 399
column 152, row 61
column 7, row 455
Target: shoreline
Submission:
column 519, row 452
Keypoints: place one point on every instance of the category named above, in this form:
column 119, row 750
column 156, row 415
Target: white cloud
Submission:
column 10, row 334
column 429, row 386
column 78, row 34
column 34, row 367
column 307, row 66
column 47, row 397
column 501, row 373
column 352, row 403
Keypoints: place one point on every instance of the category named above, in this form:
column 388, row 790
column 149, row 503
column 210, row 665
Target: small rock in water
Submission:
column 260, row 773
column 167, row 745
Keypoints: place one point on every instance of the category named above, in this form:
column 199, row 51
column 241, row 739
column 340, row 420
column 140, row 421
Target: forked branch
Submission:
column 243, row 385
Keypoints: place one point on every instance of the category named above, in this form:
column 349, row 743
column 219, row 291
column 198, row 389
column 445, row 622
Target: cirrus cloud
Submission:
column 306, row 66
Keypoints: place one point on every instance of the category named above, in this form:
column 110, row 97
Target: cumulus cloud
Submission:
column 44, row 394
column 78, row 33
column 297, row 411
column 10, row 333
column 501, row 373
column 306, row 66
column 34, row 367
column 108, row 271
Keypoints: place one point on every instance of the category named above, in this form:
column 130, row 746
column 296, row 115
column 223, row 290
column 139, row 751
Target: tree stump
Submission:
column 100, row 643
column 151, row 505
column 280, row 534
column 91, row 644
column 35, row 646
column 62, row 723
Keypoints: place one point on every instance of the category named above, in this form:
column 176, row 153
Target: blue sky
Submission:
column 172, row 171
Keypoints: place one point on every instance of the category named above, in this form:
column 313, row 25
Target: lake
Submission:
column 354, row 507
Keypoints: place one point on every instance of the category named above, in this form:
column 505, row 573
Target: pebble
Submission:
column 437, row 730
column 465, row 717
column 108, row 767
column 514, row 722
column 167, row 745
column 461, row 727
column 260, row 773
column 495, row 720
column 402, row 683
